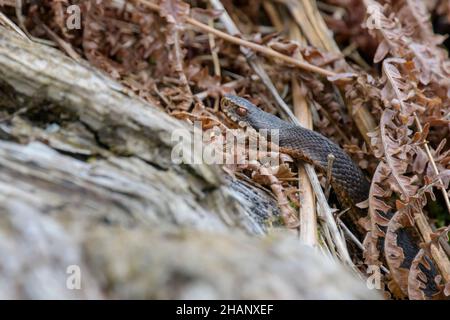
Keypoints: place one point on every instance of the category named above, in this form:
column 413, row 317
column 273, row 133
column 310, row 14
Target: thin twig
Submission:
column 214, row 55
column 433, row 164
column 355, row 240
column 330, row 159
column 12, row 25
column 328, row 216
column 215, row 59
column 21, row 20
column 327, row 237
column 251, row 45
column 271, row 11
column 66, row 47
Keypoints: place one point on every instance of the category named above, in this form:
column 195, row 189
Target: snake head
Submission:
column 246, row 114
column 239, row 110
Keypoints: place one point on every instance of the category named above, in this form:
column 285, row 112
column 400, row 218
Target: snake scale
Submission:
column 348, row 181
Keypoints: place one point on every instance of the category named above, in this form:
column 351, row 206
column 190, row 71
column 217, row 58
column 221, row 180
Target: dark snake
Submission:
column 347, row 179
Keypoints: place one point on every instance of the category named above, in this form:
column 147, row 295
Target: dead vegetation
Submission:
column 379, row 87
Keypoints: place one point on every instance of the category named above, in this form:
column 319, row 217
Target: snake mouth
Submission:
column 233, row 117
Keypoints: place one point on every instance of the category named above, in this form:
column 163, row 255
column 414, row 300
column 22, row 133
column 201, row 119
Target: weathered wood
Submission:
column 81, row 112
column 86, row 179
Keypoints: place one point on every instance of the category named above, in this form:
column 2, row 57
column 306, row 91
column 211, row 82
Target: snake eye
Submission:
column 241, row 111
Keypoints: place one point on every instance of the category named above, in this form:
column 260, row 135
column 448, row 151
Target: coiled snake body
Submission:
column 348, row 181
